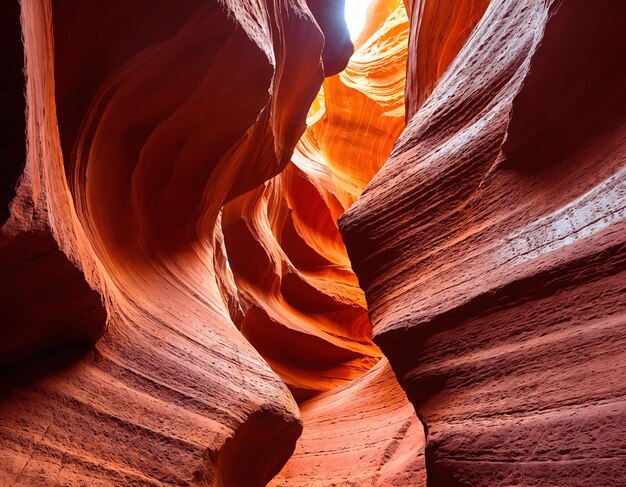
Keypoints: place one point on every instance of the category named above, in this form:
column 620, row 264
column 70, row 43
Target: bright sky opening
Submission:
column 356, row 14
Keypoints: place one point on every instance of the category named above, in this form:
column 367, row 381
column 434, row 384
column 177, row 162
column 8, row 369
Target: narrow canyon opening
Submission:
column 289, row 285
column 190, row 189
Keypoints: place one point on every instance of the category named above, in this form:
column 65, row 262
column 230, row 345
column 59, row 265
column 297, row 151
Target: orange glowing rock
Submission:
column 178, row 305
column 294, row 295
column 438, row 31
column 298, row 301
column 293, row 291
column 359, row 113
column 141, row 123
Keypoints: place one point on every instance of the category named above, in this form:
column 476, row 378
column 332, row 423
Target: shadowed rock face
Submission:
column 491, row 250
column 111, row 232
column 179, row 307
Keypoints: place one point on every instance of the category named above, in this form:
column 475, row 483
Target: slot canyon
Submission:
column 242, row 245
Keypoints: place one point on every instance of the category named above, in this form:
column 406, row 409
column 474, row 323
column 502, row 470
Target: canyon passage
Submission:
column 313, row 243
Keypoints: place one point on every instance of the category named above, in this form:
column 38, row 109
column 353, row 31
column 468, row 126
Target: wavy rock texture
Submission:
column 139, row 127
column 438, row 31
column 297, row 300
column 491, row 248
column 294, row 295
column 359, row 114
column 293, row 292
column 172, row 273
column 365, row 433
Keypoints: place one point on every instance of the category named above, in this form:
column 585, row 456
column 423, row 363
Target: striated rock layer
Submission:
column 293, row 293
column 296, row 298
column 173, row 280
column 365, row 433
column 359, row 114
column 491, row 246
column 142, row 120
column 438, row 31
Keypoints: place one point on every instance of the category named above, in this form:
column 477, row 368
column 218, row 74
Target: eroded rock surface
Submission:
column 491, row 250
column 365, row 433
column 142, row 120
column 293, row 293
column 177, row 303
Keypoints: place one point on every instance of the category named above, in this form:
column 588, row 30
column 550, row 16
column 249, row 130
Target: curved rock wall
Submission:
column 491, row 250
column 439, row 29
column 293, row 293
column 139, row 128
column 365, row 433
column 173, row 276
column 298, row 300
column 359, row 114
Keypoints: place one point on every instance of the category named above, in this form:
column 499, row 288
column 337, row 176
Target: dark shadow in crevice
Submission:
column 28, row 371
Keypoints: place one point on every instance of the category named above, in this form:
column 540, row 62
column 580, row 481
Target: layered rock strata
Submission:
column 359, row 114
column 293, row 293
column 172, row 274
column 491, row 249
column 365, row 433
column 110, row 232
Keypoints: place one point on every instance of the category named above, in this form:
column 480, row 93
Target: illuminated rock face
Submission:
column 110, row 232
column 294, row 295
column 297, row 300
column 438, row 31
column 358, row 116
column 365, row 433
column 179, row 307
column 491, row 249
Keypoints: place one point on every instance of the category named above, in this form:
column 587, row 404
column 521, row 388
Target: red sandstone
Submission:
column 237, row 250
